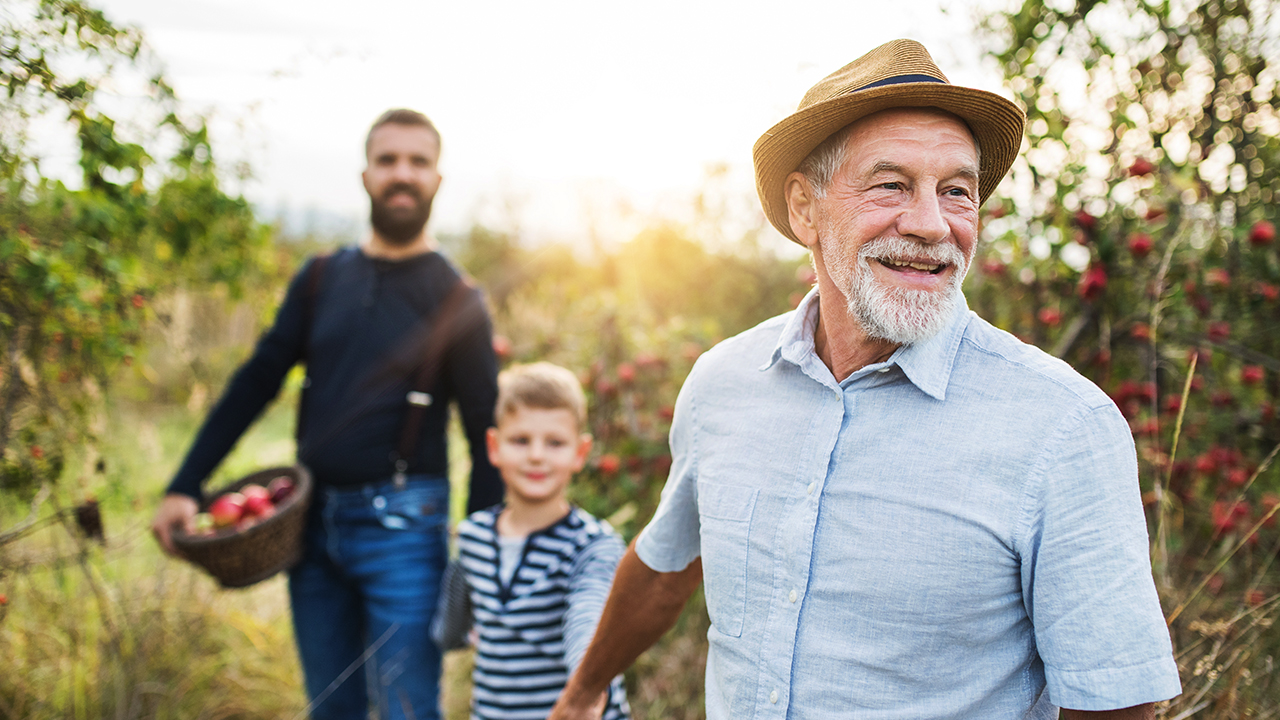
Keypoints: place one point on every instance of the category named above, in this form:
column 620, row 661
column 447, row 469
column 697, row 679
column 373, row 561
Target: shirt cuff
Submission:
column 1113, row 688
column 664, row 556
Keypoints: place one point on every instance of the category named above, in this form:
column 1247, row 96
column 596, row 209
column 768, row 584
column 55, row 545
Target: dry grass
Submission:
column 119, row 632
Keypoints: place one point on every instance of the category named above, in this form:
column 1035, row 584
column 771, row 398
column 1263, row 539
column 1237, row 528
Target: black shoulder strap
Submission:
column 310, row 292
column 449, row 320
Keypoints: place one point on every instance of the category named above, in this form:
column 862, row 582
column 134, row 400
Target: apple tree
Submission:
column 80, row 265
column 1136, row 239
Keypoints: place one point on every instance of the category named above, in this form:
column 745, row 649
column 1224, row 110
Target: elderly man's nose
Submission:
column 923, row 218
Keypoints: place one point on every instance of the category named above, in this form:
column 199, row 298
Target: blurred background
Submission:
column 165, row 168
column 566, row 120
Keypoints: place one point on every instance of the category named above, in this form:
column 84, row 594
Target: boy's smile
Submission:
column 537, row 451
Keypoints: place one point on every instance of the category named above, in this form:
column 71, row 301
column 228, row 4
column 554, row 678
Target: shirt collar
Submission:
column 927, row 364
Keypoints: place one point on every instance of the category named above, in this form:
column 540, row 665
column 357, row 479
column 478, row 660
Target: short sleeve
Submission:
column 671, row 539
column 1086, row 571
column 589, row 583
column 453, row 619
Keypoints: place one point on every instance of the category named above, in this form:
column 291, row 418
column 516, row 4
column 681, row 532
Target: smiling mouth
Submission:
column 900, row 265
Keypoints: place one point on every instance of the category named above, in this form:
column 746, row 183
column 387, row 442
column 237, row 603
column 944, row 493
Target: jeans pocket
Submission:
column 724, row 512
column 417, row 509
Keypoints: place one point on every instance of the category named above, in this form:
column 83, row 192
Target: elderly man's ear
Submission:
column 801, row 209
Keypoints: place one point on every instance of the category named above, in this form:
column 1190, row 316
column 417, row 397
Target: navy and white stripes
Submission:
column 534, row 632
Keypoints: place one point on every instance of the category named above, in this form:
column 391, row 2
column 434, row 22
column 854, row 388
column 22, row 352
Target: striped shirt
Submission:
column 533, row 632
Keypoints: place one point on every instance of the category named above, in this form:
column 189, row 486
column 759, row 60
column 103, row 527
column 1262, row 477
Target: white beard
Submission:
column 891, row 313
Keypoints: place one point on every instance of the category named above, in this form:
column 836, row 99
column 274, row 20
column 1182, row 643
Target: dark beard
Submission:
column 399, row 226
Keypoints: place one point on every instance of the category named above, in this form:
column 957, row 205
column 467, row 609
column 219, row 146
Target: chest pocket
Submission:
column 724, row 514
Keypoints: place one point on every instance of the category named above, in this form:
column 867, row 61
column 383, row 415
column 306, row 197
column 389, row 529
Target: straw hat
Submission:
column 897, row 74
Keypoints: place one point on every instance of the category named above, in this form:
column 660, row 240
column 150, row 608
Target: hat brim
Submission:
column 996, row 123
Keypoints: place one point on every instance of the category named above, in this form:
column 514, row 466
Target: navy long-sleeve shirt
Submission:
column 370, row 320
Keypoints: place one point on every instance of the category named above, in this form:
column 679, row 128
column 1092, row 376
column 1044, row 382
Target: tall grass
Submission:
column 117, row 630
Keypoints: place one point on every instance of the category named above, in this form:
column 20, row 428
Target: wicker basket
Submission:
column 242, row 558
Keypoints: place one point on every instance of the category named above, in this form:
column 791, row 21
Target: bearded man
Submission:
column 361, row 320
column 898, row 511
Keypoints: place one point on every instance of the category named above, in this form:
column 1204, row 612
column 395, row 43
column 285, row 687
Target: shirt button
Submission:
column 812, row 487
column 883, row 370
column 773, row 697
column 379, row 502
column 792, row 596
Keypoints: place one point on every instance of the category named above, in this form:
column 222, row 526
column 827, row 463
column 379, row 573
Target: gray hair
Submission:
column 821, row 165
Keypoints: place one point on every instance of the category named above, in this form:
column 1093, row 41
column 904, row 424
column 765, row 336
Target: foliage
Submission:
column 1137, row 241
column 79, row 267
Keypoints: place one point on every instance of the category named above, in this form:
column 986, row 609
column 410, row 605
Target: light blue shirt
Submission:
column 956, row 532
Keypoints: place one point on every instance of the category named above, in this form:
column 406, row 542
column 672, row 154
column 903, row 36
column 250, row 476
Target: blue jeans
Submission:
column 371, row 572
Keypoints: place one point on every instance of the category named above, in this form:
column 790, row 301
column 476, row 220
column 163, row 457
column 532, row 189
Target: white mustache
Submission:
column 898, row 248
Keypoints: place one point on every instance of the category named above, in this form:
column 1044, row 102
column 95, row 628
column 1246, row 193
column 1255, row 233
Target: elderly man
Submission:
column 898, row 510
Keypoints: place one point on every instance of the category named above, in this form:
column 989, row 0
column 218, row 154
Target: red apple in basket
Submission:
column 259, row 506
column 280, row 488
column 227, row 509
column 257, row 500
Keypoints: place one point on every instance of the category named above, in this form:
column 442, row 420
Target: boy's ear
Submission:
column 491, row 444
column 584, row 449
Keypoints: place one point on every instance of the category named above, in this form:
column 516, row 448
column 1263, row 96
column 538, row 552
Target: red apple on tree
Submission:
column 1262, row 233
column 1141, row 166
column 1217, row 278
column 1251, row 374
column 1140, row 244
column 626, row 373
column 1093, row 282
column 609, row 463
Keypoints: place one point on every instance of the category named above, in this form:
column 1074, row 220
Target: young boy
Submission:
column 537, row 570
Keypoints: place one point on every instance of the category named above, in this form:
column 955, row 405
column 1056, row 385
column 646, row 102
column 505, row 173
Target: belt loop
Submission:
column 398, row 479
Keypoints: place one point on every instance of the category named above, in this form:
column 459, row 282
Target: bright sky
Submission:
column 555, row 115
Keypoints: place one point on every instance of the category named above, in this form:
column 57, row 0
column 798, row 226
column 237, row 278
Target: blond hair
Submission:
column 543, row 386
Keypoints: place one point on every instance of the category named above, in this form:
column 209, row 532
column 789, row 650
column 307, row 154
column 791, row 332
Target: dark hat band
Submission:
column 900, row 79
